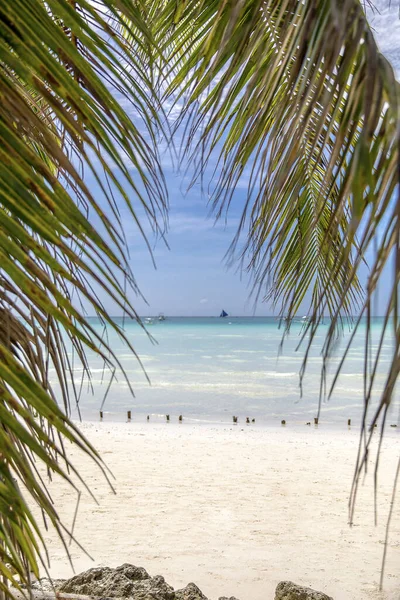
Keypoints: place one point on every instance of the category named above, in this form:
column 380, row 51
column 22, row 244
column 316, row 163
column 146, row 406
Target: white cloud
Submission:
column 385, row 22
column 204, row 301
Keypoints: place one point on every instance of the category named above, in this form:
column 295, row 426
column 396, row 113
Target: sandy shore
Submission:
column 234, row 509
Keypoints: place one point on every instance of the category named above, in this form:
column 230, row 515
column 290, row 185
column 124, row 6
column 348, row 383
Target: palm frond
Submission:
column 62, row 83
column 298, row 96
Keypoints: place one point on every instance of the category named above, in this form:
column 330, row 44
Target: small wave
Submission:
column 280, row 374
column 233, row 335
column 248, row 351
column 330, row 408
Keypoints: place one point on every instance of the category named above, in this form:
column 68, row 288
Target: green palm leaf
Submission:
column 62, row 71
column 297, row 94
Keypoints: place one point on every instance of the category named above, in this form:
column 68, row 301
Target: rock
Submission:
column 286, row 590
column 190, row 592
column 123, row 582
column 126, row 581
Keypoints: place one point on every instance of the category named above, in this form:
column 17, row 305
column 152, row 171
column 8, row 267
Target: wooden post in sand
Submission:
column 167, row 417
column 180, row 418
column 235, row 419
column 315, row 420
column 101, row 415
column 129, row 415
column 148, row 417
column 283, row 422
column 349, row 422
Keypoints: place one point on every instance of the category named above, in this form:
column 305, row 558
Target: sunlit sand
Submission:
column 235, row 509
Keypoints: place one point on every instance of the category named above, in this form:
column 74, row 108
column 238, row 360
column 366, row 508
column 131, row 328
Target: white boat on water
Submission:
column 154, row 320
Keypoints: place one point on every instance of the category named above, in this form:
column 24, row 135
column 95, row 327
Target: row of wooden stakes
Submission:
column 129, row 416
column 283, row 422
column 234, row 418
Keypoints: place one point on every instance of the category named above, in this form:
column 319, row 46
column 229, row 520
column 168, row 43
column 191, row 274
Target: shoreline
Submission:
column 235, row 509
column 392, row 428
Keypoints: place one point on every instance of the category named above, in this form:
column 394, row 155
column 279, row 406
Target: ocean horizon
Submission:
column 208, row 369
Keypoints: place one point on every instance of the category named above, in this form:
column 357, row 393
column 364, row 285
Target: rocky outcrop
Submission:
column 126, row 581
column 287, row 590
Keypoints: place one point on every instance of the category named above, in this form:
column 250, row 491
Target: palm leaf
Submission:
column 62, row 72
column 297, row 94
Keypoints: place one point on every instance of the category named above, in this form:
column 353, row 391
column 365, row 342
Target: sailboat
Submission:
column 223, row 314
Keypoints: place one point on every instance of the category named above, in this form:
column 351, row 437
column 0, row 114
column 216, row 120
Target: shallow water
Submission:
column 208, row 369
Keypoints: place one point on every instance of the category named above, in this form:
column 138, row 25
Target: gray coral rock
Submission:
column 123, row 582
column 287, row 590
column 190, row 592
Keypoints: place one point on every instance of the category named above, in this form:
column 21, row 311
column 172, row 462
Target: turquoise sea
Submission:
column 209, row 369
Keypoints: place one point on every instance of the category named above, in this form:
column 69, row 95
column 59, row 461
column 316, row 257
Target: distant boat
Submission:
column 161, row 317
column 223, row 314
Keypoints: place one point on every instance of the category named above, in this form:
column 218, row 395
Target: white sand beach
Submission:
column 235, row 509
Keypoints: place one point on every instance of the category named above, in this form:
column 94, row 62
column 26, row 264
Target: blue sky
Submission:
column 192, row 277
